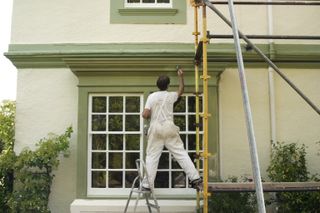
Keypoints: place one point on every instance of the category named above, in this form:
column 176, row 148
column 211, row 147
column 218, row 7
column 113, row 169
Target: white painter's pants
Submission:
column 175, row 147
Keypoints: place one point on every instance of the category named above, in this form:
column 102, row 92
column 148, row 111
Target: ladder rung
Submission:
column 141, row 191
column 153, row 205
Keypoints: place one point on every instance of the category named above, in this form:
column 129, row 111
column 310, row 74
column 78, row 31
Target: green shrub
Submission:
column 33, row 173
column 288, row 164
column 233, row 202
column 7, row 156
column 25, row 180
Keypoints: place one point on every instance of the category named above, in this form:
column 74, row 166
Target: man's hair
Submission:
column 163, row 82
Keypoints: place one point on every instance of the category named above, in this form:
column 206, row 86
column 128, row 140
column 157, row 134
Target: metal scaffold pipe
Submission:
column 266, row 59
column 205, row 78
column 304, row 3
column 196, row 75
column 247, row 108
column 286, row 37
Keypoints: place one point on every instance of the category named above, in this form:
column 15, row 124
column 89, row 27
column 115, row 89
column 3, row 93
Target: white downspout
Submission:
column 271, row 79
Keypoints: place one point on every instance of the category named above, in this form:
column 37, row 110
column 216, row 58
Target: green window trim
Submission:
column 121, row 15
column 97, row 87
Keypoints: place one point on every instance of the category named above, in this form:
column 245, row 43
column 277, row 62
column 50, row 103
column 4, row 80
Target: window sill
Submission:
column 114, row 205
column 147, row 12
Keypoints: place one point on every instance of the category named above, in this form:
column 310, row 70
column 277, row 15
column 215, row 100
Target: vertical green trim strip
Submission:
column 82, row 144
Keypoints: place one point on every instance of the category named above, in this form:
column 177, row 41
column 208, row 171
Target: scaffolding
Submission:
column 201, row 58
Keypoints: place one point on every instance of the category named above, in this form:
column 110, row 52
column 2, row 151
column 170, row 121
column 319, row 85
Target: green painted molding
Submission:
column 153, row 57
column 175, row 15
column 117, row 87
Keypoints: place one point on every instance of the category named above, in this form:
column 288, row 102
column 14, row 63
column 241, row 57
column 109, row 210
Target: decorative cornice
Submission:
column 152, row 57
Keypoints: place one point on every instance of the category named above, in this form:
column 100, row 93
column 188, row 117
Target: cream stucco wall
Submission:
column 47, row 102
column 80, row 21
column 296, row 121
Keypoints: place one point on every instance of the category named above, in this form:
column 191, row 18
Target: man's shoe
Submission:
column 197, row 184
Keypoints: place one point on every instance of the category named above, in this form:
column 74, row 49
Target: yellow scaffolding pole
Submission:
column 196, row 34
column 205, row 114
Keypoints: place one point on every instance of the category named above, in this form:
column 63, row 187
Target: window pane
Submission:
column 133, row 1
column 192, row 123
column 115, row 179
column 132, row 122
column 164, row 161
column 183, row 138
column 99, row 142
column 163, row 1
column 180, row 121
column 98, row 160
column 115, row 142
column 132, row 104
column 98, row 123
column 131, row 160
column 98, row 179
column 115, row 160
column 132, row 142
column 116, row 104
column 175, row 164
column 178, row 180
column 180, row 105
column 192, row 104
column 99, row 104
column 148, row 1
column 162, row 180
column 192, row 142
column 115, row 122
column 130, row 176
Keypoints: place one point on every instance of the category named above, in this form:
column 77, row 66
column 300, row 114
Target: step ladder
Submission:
column 142, row 173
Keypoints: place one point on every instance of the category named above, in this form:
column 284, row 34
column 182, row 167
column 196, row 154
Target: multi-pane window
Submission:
column 170, row 174
column 148, row 3
column 115, row 141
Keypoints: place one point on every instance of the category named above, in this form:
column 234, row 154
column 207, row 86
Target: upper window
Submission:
column 148, row 12
column 149, row 3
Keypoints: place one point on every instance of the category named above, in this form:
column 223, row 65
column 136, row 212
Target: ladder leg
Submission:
column 148, row 203
column 137, row 201
column 128, row 201
column 155, row 200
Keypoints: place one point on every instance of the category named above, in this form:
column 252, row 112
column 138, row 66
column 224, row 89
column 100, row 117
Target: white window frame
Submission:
column 102, row 192
column 111, row 191
column 147, row 5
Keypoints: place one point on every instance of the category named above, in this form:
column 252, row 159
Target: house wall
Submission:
column 296, row 121
column 47, row 102
column 80, row 21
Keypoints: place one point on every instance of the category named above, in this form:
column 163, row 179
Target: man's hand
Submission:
column 180, row 72
column 146, row 114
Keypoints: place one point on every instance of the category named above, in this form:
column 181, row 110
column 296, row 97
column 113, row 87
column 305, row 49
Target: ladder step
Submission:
column 153, row 205
column 141, row 191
